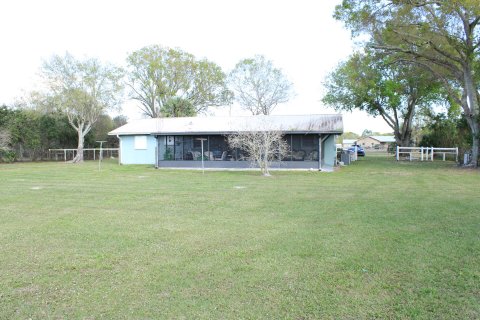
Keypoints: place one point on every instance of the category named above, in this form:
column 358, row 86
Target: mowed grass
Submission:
column 377, row 239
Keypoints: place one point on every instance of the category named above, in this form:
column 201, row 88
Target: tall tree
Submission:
column 259, row 87
column 84, row 90
column 373, row 84
column 119, row 121
column 4, row 115
column 178, row 107
column 367, row 133
column 442, row 36
column 156, row 75
column 350, row 135
column 443, row 130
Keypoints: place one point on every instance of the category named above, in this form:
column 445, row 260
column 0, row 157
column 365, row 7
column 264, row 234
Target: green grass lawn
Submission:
column 377, row 239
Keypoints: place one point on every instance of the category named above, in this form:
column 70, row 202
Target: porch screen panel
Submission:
column 298, row 154
column 178, row 147
column 169, row 148
column 218, row 148
column 310, row 146
column 188, row 153
column 161, row 147
column 197, row 148
column 288, row 139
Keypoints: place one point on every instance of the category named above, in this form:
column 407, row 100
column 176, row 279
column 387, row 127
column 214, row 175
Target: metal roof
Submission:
column 224, row 125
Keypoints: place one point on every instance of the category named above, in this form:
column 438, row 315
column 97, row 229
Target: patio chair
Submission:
column 208, row 155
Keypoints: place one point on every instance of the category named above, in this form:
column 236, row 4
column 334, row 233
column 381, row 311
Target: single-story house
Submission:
column 177, row 142
column 376, row 142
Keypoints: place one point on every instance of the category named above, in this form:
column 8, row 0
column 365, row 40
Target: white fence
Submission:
column 69, row 154
column 425, row 153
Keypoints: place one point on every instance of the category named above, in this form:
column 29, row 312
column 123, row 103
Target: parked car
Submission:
column 360, row 150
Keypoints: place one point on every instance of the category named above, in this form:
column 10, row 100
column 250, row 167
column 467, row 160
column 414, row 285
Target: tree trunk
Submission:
column 79, row 157
column 264, row 167
column 471, row 111
column 407, row 136
column 402, row 139
column 475, row 145
column 475, row 129
column 405, row 142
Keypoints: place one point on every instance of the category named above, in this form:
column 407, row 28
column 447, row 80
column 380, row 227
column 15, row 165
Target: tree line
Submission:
column 165, row 82
column 27, row 134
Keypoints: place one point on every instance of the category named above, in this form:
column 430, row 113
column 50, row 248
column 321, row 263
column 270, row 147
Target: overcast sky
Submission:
column 300, row 37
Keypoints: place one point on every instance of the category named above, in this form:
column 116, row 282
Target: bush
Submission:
column 8, row 156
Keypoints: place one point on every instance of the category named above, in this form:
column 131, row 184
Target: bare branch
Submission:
column 261, row 148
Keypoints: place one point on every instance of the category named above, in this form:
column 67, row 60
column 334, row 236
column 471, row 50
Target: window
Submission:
column 140, row 142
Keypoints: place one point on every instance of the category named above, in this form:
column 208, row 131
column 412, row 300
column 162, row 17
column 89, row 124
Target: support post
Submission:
column 100, row 154
column 319, row 152
column 398, row 149
column 421, row 153
column 203, row 166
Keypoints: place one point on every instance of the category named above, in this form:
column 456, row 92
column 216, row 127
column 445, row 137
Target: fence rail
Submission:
column 425, row 153
column 69, row 154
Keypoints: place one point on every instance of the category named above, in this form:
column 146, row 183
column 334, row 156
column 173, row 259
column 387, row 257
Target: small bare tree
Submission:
column 261, row 147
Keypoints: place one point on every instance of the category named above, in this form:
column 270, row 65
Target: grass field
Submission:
column 377, row 239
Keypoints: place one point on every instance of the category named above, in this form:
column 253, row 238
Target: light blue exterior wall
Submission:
column 130, row 155
column 330, row 151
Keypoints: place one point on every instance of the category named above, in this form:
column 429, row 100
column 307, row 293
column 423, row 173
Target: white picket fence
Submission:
column 425, row 153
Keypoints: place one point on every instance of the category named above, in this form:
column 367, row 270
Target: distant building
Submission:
column 376, row 142
column 347, row 143
column 176, row 142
